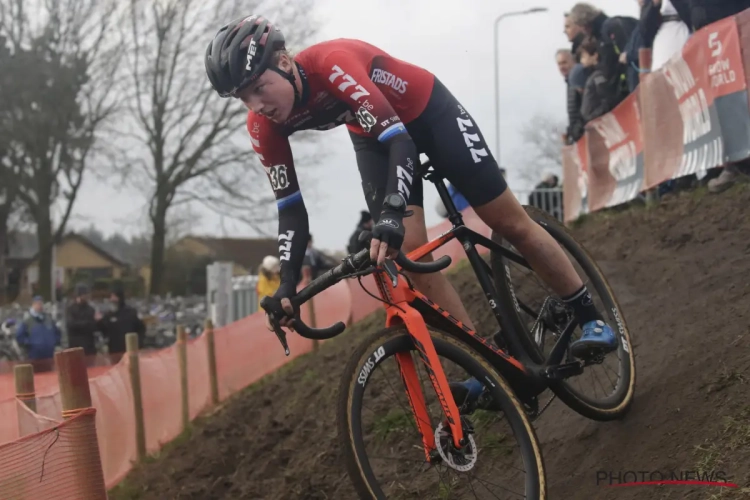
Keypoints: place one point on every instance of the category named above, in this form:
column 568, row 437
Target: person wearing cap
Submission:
column 268, row 277
column 38, row 334
column 81, row 322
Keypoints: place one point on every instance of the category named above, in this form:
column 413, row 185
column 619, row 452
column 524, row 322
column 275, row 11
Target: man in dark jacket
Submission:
column 612, row 34
column 80, row 322
column 118, row 322
column 705, row 12
column 576, row 81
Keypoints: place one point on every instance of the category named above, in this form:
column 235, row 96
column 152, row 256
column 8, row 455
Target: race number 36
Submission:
column 278, row 177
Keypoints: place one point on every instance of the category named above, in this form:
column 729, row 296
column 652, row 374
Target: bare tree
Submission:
column 58, row 87
column 188, row 145
column 542, row 148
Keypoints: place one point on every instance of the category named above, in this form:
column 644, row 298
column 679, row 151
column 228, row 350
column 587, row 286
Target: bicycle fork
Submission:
column 420, row 335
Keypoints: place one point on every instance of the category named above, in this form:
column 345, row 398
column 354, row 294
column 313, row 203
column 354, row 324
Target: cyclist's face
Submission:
column 271, row 95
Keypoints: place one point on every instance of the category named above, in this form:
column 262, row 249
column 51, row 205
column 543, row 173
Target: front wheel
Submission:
column 383, row 448
column 604, row 391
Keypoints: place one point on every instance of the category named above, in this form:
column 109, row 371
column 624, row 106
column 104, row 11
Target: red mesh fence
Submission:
column 60, row 463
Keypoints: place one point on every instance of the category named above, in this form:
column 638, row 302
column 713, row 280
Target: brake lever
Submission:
column 390, row 269
column 280, row 333
column 272, row 307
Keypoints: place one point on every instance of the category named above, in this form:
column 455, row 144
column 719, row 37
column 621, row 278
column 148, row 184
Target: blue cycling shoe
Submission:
column 470, row 395
column 598, row 339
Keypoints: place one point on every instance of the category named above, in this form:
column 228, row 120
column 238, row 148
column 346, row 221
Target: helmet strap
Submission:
column 299, row 100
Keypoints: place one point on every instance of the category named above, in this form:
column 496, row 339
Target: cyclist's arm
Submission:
column 276, row 156
column 348, row 79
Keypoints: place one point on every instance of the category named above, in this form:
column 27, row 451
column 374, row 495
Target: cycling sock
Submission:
column 583, row 306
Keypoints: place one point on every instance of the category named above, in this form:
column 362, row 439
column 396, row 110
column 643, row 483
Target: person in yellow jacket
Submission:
column 268, row 277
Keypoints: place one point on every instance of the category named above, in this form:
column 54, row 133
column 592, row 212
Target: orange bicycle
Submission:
column 457, row 451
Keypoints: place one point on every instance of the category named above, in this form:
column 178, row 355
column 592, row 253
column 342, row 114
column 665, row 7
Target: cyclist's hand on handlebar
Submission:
column 285, row 292
column 387, row 237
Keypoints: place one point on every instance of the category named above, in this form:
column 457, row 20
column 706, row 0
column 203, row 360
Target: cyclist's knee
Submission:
column 416, row 231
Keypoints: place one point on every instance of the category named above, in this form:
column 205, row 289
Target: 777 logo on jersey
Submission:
column 349, row 81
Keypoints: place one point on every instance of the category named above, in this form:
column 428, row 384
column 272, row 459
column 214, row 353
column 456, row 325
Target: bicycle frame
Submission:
column 408, row 306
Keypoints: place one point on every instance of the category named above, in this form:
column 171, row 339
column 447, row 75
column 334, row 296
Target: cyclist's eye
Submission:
column 259, row 89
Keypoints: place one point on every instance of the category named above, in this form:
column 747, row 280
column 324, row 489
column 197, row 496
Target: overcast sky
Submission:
column 452, row 40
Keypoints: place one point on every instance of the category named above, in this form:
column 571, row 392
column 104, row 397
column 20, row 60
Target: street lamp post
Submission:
column 497, row 72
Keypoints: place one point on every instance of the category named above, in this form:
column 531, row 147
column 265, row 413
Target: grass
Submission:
column 734, row 438
column 395, row 421
column 125, row 490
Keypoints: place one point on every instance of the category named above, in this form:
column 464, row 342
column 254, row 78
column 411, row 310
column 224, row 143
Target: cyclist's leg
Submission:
column 460, row 153
column 372, row 160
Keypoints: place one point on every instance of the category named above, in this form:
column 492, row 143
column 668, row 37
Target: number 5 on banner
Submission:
column 715, row 44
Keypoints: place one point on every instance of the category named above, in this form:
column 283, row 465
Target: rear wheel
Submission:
column 603, row 391
column 382, row 445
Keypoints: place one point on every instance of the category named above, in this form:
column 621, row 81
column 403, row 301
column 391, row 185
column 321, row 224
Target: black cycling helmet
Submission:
column 240, row 52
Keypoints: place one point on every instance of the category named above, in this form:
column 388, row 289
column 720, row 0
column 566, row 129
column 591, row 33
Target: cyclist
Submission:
column 393, row 111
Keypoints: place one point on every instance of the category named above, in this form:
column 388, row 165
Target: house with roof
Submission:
column 245, row 253
column 74, row 257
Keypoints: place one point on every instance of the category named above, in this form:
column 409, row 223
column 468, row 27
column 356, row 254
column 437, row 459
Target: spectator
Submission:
column 672, row 34
column 631, row 56
column 546, row 197
column 612, row 35
column 700, row 13
column 81, row 322
column 565, row 62
column 120, row 321
column 38, row 334
column 317, row 261
column 365, row 224
column 599, row 96
column 269, row 277
column 576, row 80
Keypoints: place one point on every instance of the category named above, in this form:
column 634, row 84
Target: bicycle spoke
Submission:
column 484, row 483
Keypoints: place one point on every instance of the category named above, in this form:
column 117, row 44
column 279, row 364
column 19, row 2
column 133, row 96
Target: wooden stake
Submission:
column 212, row 375
column 131, row 344
column 182, row 358
column 23, row 376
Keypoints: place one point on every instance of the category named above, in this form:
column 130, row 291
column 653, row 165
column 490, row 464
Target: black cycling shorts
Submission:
column 450, row 138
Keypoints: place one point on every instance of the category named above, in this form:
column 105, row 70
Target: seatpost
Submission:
column 453, row 214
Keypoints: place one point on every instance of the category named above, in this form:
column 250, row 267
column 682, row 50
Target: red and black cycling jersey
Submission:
column 344, row 82
column 347, row 82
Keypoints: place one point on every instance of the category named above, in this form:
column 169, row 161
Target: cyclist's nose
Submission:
column 255, row 104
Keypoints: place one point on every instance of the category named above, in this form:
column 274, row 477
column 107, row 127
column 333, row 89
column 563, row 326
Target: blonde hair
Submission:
column 583, row 14
column 276, row 56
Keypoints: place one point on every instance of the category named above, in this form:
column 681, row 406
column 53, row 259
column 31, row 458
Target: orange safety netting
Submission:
column 245, row 352
column 61, row 462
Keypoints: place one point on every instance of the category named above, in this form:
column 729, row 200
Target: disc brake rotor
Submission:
column 462, row 460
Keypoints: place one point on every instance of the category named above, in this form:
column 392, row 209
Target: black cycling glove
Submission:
column 390, row 229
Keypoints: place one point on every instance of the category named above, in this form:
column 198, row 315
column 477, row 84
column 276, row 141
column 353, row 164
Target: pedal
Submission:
column 563, row 371
column 531, row 407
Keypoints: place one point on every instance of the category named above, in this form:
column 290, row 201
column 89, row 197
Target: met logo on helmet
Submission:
column 250, row 54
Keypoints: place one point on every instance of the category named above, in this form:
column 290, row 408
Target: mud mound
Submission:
column 680, row 271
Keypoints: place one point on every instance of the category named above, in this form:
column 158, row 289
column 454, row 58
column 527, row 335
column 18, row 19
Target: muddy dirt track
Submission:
column 682, row 274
